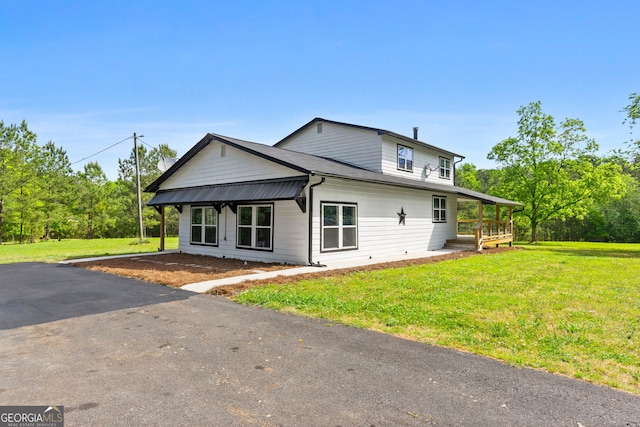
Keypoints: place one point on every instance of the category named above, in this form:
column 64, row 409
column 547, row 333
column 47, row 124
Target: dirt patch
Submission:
column 177, row 270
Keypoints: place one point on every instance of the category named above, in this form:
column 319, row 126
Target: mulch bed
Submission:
column 178, row 269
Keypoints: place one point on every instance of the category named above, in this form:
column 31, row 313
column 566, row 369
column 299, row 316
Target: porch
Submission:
column 478, row 233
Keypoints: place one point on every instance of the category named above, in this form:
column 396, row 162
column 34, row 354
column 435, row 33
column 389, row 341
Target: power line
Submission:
column 102, row 151
column 142, row 140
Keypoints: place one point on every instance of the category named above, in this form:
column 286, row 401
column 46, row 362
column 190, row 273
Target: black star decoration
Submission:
column 402, row 216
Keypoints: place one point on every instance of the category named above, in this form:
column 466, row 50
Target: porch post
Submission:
column 499, row 230
column 478, row 231
column 511, row 225
column 162, row 228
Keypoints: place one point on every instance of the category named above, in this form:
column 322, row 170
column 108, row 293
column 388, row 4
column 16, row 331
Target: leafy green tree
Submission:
column 623, row 216
column 633, row 114
column 551, row 168
column 467, row 176
column 95, row 214
column 56, row 181
column 149, row 172
column 18, row 149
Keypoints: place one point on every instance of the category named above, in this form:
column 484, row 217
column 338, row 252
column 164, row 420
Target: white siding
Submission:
column 209, row 167
column 290, row 235
column 421, row 158
column 350, row 145
column 379, row 231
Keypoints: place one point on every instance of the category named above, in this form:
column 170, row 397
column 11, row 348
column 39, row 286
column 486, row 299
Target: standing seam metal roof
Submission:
column 280, row 189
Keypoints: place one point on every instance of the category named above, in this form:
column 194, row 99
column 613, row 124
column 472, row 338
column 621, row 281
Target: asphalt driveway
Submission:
column 116, row 351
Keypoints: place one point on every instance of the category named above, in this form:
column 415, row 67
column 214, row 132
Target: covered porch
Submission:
column 491, row 226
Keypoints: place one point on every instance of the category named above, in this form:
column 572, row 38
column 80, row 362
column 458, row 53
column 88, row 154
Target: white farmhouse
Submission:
column 329, row 191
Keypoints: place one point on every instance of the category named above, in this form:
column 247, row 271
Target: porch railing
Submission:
column 491, row 231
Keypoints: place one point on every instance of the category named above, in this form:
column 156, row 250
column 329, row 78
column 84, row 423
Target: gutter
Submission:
column 310, row 246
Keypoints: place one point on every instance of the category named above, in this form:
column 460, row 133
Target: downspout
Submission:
column 310, row 246
column 454, row 170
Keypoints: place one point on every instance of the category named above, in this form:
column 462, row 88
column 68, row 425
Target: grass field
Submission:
column 54, row 250
column 569, row 308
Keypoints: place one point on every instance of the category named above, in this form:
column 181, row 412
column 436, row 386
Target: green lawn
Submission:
column 54, row 251
column 570, row 308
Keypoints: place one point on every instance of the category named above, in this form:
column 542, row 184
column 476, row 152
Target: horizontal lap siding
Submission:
column 421, row 158
column 289, row 239
column 209, row 167
column 379, row 231
column 354, row 146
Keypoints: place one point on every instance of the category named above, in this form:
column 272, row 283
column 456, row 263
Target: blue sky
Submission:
column 87, row 74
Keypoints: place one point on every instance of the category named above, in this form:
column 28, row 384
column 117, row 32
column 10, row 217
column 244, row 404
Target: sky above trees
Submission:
column 88, row 74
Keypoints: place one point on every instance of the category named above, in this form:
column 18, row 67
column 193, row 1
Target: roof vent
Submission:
column 415, row 133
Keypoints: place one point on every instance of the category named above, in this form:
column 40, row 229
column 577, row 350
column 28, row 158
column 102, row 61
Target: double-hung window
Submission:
column 255, row 227
column 405, row 158
column 204, row 226
column 445, row 168
column 439, row 209
column 339, row 226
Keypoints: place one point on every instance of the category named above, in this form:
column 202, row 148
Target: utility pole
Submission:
column 135, row 149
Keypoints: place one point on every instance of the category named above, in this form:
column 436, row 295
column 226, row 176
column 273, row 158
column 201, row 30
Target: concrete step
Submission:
column 465, row 246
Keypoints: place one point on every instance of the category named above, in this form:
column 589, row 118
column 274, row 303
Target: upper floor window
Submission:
column 445, row 168
column 339, row 226
column 405, row 158
column 204, row 226
column 255, row 227
column 439, row 209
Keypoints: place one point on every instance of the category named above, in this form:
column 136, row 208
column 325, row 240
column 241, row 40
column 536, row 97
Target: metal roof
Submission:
column 279, row 189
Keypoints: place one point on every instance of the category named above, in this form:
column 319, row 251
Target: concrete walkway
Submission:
column 202, row 287
column 205, row 286
column 100, row 258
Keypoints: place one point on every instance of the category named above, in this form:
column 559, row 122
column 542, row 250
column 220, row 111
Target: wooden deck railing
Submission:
column 489, row 232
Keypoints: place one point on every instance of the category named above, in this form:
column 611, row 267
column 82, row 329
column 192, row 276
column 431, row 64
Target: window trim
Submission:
column 254, row 227
column 340, row 227
column 203, row 226
column 405, row 169
column 444, row 171
column 439, row 209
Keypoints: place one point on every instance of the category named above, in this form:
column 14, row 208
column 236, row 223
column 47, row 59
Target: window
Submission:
column 339, row 226
column 405, row 158
column 255, row 227
column 445, row 168
column 204, row 226
column 439, row 209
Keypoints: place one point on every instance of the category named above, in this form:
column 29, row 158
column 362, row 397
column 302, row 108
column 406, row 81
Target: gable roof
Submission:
column 370, row 129
column 308, row 164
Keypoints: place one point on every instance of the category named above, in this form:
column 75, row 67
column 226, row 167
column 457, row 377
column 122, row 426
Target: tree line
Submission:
column 569, row 192
column 42, row 198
